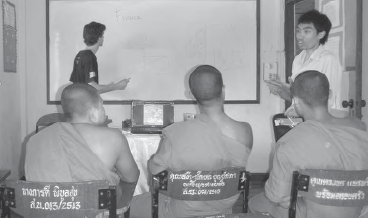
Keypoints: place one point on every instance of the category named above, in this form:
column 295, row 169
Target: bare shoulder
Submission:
column 115, row 136
column 242, row 126
column 240, row 131
column 245, row 130
column 106, row 131
column 101, row 135
column 108, row 144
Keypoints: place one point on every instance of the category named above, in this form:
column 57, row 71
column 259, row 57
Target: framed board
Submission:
column 334, row 11
column 9, row 37
column 157, row 43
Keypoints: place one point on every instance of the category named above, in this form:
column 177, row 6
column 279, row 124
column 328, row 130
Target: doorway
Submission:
column 293, row 10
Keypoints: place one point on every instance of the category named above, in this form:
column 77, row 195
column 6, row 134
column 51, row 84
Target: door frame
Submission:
column 289, row 39
column 358, row 61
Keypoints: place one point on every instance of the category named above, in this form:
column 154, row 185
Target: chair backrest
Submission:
column 256, row 185
column 49, row 119
column 340, row 188
column 199, row 185
column 68, row 199
column 283, row 124
column 4, row 174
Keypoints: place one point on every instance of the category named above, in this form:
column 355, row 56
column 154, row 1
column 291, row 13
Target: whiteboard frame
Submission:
column 128, row 102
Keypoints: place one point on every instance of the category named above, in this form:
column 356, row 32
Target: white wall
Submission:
column 259, row 116
column 11, row 98
column 365, row 63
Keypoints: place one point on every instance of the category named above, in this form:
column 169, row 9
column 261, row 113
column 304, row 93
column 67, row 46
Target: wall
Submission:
column 365, row 63
column 259, row 115
column 350, row 33
column 11, row 97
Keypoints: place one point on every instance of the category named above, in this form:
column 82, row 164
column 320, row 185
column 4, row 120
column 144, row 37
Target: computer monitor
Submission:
column 152, row 113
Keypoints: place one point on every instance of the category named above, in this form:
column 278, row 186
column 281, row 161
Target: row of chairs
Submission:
column 80, row 199
column 16, row 199
column 95, row 196
column 86, row 199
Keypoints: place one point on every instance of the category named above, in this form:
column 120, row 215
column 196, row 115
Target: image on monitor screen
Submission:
column 153, row 114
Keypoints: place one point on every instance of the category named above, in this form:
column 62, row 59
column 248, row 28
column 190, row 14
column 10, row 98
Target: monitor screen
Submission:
column 146, row 113
column 288, row 121
column 153, row 114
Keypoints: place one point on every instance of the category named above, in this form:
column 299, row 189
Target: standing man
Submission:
column 85, row 68
column 211, row 141
column 311, row 35
column 321, row 142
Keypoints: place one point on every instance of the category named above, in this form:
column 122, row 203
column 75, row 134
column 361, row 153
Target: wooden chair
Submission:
column 282, row 124
column 62, row 199
column 338, row 188
column 49, row 119
column 256, row 185
column 200, row 186
column 4, row 174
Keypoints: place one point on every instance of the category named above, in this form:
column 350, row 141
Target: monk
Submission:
column 211, row 141
column 321, row 142
column 80, row 149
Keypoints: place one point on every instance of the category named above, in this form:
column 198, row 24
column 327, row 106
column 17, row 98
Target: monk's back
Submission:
column 102, row 141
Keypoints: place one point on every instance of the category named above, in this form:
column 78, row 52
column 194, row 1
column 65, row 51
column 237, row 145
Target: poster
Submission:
column 9, row 37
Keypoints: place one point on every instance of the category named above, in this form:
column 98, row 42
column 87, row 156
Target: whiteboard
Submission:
column 157, row 43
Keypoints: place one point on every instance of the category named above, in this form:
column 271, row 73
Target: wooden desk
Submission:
column 4, row 174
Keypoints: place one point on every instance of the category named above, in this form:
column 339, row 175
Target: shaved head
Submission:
column 206, row 84
column 312, row 87
column 78, row 98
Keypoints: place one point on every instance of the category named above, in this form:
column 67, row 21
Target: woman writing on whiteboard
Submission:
column 85, row 66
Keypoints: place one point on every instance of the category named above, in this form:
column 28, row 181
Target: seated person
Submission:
column 211, row 141
column 321, row 142
column 80, row 149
